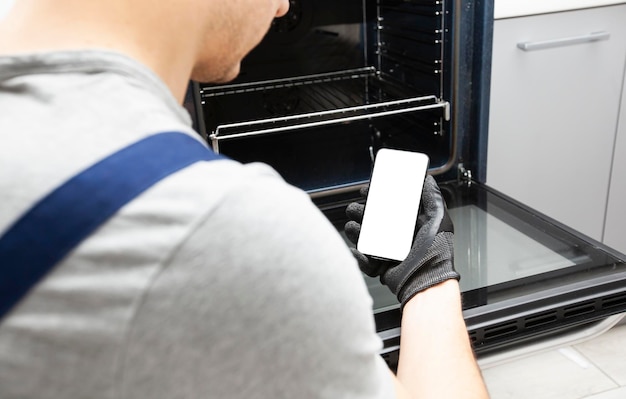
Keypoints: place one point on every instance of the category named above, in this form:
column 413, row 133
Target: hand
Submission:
column 431, row 258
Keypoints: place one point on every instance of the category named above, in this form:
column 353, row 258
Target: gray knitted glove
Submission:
column 431, row 259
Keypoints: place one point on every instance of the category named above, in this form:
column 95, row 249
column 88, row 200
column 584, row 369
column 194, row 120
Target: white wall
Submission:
column 5, row 5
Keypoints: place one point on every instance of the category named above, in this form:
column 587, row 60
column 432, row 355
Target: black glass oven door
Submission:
column 523, row 274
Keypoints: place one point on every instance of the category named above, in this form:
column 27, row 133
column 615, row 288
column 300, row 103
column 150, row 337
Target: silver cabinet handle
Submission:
column 566, row 41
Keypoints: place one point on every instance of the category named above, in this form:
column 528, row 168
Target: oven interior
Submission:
column 331, row 83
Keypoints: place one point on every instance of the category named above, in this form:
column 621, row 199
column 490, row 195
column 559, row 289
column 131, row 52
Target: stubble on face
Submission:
column 210, row 74
column 234, row 29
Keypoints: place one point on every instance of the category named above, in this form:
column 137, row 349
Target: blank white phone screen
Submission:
column 392, row 204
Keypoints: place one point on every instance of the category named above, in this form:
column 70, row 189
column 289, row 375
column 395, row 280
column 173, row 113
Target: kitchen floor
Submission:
column 594, row 369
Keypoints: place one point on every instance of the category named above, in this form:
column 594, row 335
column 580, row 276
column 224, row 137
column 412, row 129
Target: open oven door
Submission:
column 524, row 275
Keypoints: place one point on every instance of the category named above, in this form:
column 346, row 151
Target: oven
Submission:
column 334, row 81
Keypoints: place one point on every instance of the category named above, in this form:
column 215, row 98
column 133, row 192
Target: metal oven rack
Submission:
column 299, row 103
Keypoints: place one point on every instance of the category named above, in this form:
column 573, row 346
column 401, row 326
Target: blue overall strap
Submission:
column 48, row 231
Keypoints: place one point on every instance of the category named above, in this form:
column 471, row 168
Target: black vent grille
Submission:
column 541, row 319
column 525, row 326
column 617, row 301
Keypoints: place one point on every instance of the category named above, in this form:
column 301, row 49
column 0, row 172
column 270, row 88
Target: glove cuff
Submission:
column 427, row 280
column 437, row 267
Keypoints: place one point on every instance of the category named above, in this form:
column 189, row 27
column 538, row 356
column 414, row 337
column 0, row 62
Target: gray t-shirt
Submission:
column 219, row 281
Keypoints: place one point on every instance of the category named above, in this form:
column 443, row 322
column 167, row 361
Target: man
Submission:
column 218, row 281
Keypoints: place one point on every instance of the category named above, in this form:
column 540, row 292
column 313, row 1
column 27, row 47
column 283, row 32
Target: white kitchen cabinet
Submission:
column 518, row 8
column 615, row 226
column 554, row 111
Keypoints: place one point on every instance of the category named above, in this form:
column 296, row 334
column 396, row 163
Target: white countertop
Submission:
column 519, row 8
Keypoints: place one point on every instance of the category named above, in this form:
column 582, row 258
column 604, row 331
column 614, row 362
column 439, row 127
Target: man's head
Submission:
column 176, row 38
column 235, row 28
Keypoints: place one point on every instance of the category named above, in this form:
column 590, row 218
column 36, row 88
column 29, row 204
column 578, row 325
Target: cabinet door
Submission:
column 553, row 111
column 615, row 226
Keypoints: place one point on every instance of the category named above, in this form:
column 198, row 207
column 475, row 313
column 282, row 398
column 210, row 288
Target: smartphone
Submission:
column 392, row 204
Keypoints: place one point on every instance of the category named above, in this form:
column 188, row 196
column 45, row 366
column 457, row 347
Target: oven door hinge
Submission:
column 464, row 175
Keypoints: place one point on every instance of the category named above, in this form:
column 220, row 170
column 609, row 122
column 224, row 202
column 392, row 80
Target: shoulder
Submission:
column 264, row 279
